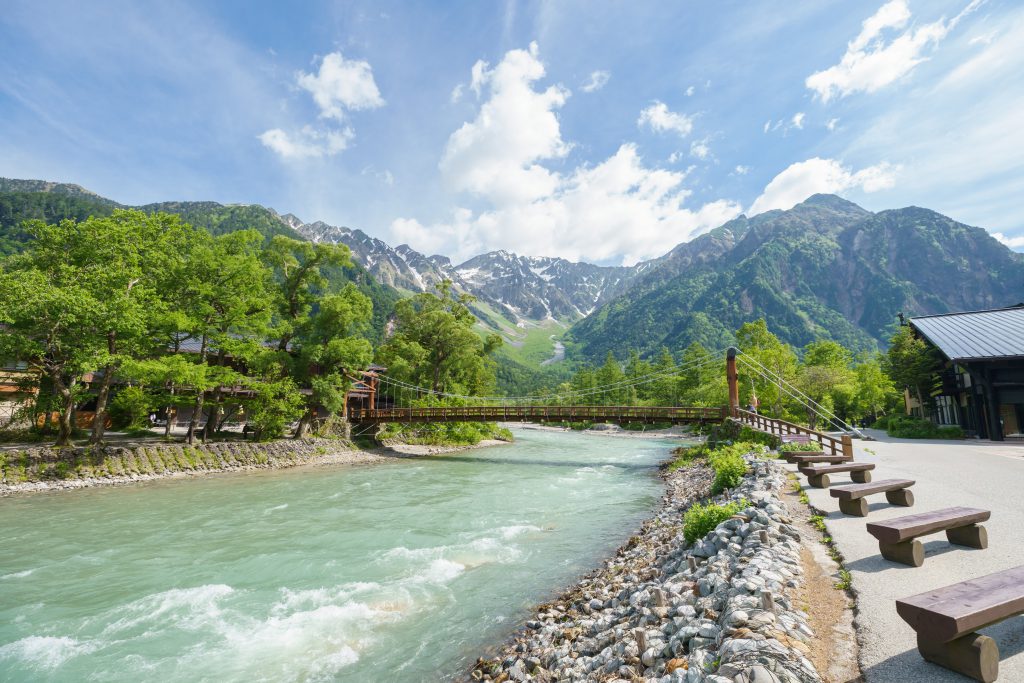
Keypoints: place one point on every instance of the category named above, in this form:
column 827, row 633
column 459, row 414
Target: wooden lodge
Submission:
column 981, row 388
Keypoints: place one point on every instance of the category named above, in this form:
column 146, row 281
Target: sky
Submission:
column 605, row 132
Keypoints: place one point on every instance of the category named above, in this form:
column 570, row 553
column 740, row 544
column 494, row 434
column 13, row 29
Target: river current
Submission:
column 402, row 571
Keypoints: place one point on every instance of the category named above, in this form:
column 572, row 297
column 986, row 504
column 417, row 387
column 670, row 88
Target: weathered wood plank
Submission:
column 818, row 470
column 953, row 611
column 903, row 528
column 853, row 491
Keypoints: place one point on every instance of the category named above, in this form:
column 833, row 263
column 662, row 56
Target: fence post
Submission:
column 847, row 446
column 730, row 376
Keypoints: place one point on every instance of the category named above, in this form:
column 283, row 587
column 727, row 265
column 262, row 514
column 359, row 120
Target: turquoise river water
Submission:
column 402, row 571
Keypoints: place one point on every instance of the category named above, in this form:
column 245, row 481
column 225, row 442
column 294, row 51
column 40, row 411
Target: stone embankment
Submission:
column 48, row 468
column 718, row 611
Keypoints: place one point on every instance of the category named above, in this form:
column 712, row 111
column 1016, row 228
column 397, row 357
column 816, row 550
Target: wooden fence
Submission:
column 646, row 414
column 830, row 445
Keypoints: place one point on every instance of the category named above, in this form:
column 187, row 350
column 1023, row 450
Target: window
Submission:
column 945, row 410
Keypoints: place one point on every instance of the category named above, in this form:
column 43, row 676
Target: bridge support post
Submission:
column 730, row 375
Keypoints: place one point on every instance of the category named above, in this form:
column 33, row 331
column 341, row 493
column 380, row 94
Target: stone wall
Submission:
column 717, row 611
column 143, row 461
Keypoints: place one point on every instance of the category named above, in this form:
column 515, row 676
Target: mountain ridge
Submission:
column 825, row 267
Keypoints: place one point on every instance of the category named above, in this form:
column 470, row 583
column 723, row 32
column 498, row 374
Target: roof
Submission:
column 976, row 335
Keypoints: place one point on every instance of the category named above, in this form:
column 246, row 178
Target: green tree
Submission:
column 701, row 379
column 825, row 378
column 434, row 344
column 912, row 363
column 774, row 365
column 610, row 381
column 876, row 392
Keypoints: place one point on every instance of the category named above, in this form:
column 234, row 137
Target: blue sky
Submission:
column 606, row 132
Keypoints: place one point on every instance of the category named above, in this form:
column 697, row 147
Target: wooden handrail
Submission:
column 680, row 414
column 770, row 425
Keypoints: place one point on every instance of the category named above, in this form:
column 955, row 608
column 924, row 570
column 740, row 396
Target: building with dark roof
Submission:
column 982, row 387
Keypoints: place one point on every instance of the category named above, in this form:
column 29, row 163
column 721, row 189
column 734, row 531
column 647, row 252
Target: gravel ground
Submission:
column 948, row 473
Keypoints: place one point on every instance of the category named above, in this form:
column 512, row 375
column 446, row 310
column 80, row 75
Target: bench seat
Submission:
column 946, row 619
column 897, row 538
column 818, row 458
column 852, row 496
column 818, row 475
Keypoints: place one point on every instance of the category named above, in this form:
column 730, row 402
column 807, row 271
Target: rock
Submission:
column 737, row 618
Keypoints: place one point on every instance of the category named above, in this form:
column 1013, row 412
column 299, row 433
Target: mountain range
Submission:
column 825, row 268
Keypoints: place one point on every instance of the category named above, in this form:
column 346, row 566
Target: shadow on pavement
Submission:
column 910, row 666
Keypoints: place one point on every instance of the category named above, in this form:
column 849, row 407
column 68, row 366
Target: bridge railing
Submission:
column 540, row 414
column 830, row 445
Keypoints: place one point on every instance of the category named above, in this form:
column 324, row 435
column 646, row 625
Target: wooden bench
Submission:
column 853, row 498
column 789, row 455
column 946, row 620
column 897, row 538
column 817, row 475
column 817, row 458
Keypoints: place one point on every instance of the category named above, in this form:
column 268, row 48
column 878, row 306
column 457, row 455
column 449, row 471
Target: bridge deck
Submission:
column 649, row 414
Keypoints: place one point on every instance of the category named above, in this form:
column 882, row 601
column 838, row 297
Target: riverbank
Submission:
column 722, row 609
column 35, row 469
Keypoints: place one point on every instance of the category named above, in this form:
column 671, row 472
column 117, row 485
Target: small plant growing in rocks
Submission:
column 700, row 519
column 800, row 447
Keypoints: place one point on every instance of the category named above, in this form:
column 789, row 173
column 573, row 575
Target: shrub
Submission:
column 906, row 427
column 700, row 519
column 798, row 447
column 130, row 407
column 729, row 466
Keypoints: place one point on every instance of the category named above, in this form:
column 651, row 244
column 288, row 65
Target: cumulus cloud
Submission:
column 496, row 155
column 342, row 84
column 689, row 91
column 659, row 118
column 741, row 170
column 832, row 123
column 618, row 210
column 798, row 120
column 596, row 81
column 700, row 149
column 802, row 179
column 307, row 142
column 871, row 62
column 1016, row 242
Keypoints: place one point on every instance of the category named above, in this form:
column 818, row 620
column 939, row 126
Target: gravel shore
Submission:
column 719, row 610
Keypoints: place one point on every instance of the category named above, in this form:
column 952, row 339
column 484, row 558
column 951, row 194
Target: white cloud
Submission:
column 741, row 170
column 700, row 149
column 307, row 143
column 495, row 156
column 802, row 179
column 871, row 63
column 596, row 81
column 690, row 91
column 674, row 157
column 342, row 84
column 616, row 210
column 1016, row 242
column 798, row 120
column 832, row 123
column 767, row 125
column 457, row 93
column 659, row 118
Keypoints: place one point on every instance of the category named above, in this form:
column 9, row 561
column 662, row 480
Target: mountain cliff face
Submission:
column 520, row 287
column 825, row 268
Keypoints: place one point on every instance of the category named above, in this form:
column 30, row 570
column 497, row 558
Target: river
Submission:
column 401, row 571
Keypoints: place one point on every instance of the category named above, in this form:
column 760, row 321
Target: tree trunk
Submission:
column 66, row 427
column 99, row 422
column 197, row 410
column 304, row 422
column 172, row 415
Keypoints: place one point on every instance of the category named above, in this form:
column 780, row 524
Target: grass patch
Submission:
column 799, row 447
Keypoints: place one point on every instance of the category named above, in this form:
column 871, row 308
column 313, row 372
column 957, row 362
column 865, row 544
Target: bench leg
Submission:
column 904, row 497
column 819, row 482
column 973, row 536
column 857, row 507
column 973, row 655
column 908, row 552
column 862, row 477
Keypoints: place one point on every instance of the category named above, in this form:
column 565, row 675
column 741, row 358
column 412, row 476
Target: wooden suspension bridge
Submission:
column 830, row 444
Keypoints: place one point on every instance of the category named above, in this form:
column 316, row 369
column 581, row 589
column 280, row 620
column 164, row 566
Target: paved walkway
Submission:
column 948, row 473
